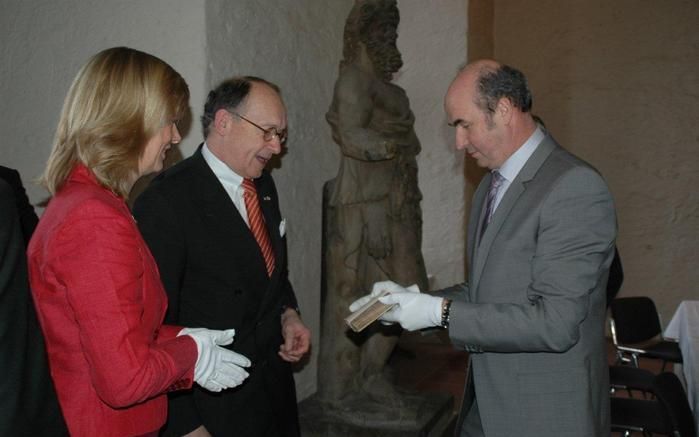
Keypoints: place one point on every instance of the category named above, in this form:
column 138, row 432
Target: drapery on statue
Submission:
column 372, row 217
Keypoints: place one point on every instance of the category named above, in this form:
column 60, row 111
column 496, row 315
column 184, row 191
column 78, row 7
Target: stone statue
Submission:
column 372, row 231
column 373, row 220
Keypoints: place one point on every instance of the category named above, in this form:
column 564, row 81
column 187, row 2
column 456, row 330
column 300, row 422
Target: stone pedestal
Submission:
column 410, row 415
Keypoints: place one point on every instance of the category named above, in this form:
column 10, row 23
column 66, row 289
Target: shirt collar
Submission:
column 514, row 164
column 220, row 169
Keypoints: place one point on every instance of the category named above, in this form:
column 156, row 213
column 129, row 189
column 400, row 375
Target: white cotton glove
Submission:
column 413, row 310
column 377, row 289
column 216, row 368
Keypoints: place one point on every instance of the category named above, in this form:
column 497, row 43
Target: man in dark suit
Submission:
column 214, row 226
column 540, row 242
column 28, row 403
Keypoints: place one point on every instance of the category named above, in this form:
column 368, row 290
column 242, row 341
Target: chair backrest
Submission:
column 635, row 319
column 668, row 390
column 616, row 277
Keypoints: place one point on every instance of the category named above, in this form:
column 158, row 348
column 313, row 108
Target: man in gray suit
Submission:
column 540, row 241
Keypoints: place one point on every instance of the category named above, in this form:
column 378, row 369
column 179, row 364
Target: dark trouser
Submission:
column 472, row 423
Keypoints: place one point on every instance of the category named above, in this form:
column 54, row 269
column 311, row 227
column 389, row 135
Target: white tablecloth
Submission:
column 684, row 327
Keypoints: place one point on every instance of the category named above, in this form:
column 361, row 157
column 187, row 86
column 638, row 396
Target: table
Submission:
column 684, row 327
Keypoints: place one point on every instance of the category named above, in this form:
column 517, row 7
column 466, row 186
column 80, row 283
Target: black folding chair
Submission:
column 668, row 414
column 630, row 379
column 636, row 332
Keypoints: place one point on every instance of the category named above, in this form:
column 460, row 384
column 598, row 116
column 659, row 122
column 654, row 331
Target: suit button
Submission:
column 237, row 292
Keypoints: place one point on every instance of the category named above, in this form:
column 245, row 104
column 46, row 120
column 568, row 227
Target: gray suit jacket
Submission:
column 533, row 313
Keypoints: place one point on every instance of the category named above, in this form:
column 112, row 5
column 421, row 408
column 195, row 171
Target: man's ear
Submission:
column 222, row 121
column 504, row 110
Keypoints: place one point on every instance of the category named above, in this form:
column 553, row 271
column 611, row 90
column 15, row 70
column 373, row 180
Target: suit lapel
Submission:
column 219, row 214
column 514, row 192
column 474, row 226
column 212, row 197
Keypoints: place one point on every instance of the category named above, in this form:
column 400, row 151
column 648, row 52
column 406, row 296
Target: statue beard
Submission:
column 386, row 59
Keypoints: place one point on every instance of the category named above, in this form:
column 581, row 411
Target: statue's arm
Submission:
column 350, row 118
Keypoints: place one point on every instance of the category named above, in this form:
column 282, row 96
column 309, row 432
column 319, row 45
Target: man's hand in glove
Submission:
column 413, row 310
column 379, row 288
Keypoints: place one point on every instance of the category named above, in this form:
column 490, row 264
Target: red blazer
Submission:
column 101, row 306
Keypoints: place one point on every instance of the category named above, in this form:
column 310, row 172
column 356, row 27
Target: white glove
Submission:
column 413, row 310
column 377, row 289
column 216, row 368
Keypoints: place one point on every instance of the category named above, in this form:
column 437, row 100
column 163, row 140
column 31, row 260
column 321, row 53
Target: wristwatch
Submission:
column 446, row 307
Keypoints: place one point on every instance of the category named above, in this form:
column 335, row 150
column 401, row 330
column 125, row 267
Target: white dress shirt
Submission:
column 511, row 168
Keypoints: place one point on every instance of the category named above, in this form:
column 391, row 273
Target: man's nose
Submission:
column 275, row 145
column 461, row 138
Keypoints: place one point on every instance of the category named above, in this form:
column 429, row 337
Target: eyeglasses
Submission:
column 268, row 134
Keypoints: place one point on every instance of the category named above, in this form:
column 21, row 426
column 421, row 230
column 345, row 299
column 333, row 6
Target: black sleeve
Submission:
column 27, row 216
column 28, row 405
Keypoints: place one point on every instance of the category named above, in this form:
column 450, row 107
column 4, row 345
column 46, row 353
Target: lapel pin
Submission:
column 266, row 198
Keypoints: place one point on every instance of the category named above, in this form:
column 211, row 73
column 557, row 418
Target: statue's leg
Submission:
column 340, row 349
column 381, row 339
column 407, row 263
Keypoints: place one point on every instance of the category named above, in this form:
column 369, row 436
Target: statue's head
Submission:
column 374, row 24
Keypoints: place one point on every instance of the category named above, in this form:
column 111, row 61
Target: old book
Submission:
column 368, row 313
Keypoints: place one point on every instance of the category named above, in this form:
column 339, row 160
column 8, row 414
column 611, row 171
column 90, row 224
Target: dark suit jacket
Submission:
column 28, row 404
column 616, row 277
column 27, row 216
column 215, row 277
column 533, row 312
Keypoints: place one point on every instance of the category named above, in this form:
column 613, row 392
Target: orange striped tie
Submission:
column 257, row 223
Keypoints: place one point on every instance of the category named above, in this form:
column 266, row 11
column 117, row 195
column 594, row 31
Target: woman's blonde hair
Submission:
column 116, row 103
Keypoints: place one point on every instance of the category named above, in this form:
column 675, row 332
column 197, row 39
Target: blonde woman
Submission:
column 95, row 284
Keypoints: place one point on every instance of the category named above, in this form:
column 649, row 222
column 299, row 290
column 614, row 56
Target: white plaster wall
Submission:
column 298, row 46
column 45, row 42
column 432, row 40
